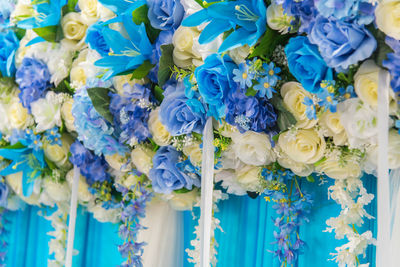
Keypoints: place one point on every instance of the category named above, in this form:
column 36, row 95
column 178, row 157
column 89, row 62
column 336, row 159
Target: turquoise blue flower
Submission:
column 126, row 53
column 243, row 76
column 310, row 108
column 247, row 19
column 265, row 87
column 48, row 13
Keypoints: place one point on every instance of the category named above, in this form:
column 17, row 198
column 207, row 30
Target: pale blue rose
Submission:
column 340, row 43
column 165, row 14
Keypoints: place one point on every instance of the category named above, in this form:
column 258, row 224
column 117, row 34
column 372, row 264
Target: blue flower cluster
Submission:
column 33, row 78
column 165, row 14
column 392, row 63
column 176, row 115
column 93, row 130
column 130, row 114
column 165, row 174
column 92, row 167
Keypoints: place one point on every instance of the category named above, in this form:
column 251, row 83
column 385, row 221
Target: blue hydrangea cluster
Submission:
column 166, row 176
column 250, row 112
column 392, row 63
column 304, row 12
column 92, row 167
column 133, row 205
column 93, row 130
column 33, row 78
column 131, row 113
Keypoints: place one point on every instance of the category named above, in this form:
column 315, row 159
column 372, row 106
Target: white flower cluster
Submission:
column 353, row 197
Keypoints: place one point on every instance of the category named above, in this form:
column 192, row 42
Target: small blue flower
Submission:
column 53, row 136
column 347, row 92
column 33, row 140
column 327, row 100
column 310, row 108
column 271, row 71
column 265, row 87
column 247, row 18
column 243, row 76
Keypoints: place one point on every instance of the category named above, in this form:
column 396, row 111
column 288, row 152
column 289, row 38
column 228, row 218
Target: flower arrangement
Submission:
column 122, row 90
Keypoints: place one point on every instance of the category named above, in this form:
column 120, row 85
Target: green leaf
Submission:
column 166, row 64
column 382, row 48
column 276, row 137
column 319, row 161
column 101, row 101
column 268, row 43
column 182, row 191
column 64, row 87
column 139, row 15
column 20, row 33
column 285, row 120
column 158, row 93
column 310, row 178
column 48, row 33
column 69, row 7
column 51, row 164
column 14, row 146
column 142, row 70
column 251, row 92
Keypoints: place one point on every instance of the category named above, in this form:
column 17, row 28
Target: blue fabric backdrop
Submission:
column 247, row 225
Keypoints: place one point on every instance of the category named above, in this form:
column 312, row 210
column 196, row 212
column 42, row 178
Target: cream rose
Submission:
column 361, row 127
column 366, row 85
column 84, row 194
column 15, row 182
column 340, row 168
column 248, row 177
column 239, row 54
column 92, row 10
column 253, row 148
column 387, row 15
column 73, row 26
column 293, row 97
column 118, row 162
column 331, row 126
column 305, row 146
column 83, row 67
column 130, row 180
column 193, row 151
column 277, row 19
column 160, row 134
column 142, row 158
column 66, row 114
column 57, row 191
column 59, row 154
column 104, row 215
column 18, row 116
column 184, row 201
column 47, row 112
column 297, row 168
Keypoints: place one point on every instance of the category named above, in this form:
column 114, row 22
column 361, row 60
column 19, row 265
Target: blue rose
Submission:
column 95, row 39
column 340, row 43
column 306, row 64
column 215, row 81
column 3, row 194
column 165, row 14
column 8, row 46
column 165, row 174
column 176, row 115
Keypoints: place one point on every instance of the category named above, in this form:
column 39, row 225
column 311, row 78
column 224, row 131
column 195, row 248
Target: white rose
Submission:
column 190, row 6
column 340, row 168
column 160, row 134
column 18, row 116
column 297, row 168
column 83, row 67
column 387, row 16
column 104, row 215
column 15, row 182
column 57, row 191
column 184, row 201
column 66, row 114
column 84, row 194
column 253, row 148
column 366, row 85
column 118, row 162
column 73, row 26
column 5, row 126
column 331, row 126
column 142, row 158
column 277, row 19
column 361, row 127
column 46, row 112
column 120, row 81
column 305, row 146
column 193, row 151
column 293, row 95
column 92, row 10
column 59, row 154
column 239, row 54
column 393, row 153
column 248, row 176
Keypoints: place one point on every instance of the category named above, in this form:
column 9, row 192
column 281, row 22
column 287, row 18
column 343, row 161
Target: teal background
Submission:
column 247, row 225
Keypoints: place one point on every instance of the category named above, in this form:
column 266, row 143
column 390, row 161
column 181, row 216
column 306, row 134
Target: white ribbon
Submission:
column 72, row 218
column 207, row 183
column 384, row 253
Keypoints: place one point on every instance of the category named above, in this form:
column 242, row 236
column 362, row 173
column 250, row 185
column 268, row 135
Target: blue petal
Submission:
column 196, row 19
column 213, row 29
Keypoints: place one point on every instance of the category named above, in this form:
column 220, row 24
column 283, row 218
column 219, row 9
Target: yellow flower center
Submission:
column 271, row 72
column 266, row 85
column 244, row 76
column 35, row 142
column 347, row 95
column 329, row 99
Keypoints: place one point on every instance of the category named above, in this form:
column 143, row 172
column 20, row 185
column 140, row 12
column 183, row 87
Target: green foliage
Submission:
column 69, row 7
column 101, row 101
column 50, row 33
column 158, row 93
column 139, row 16
column 268, row 43
column 285, row 118
column 166, row 64
column 142, row 70
column 64, row 87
